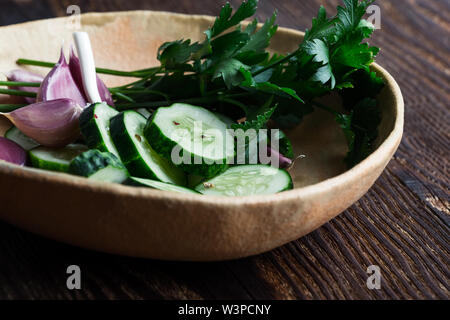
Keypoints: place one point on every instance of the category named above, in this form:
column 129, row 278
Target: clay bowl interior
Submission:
column 155, row 224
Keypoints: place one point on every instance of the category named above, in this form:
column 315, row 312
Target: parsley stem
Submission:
column 152, row 104
column 138, row 91
column 201, row 100
column 326, row 108
column 19, row 84
column 35, row 63
column 140, row 81
column 135, row 74
column 274, row 64
column 236, row 103
column 123, row 96
column 13, row 92
column 10, row 107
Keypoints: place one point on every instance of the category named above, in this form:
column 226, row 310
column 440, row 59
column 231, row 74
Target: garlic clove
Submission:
column 59, row 84
column 51, row 123
column 75, row 69
column 12, row 152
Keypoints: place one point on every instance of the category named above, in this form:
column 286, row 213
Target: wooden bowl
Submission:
column 163, row 225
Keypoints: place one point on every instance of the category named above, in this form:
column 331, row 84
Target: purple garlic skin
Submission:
column 12, row 152
column 51, row 123
column 75, row 69
column 20, row 75
column 60, row 84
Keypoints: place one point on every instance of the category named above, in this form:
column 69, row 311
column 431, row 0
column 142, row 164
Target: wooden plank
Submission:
column 402, row 224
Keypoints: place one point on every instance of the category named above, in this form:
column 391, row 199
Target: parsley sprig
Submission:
column 232, row 72
column 233, row 59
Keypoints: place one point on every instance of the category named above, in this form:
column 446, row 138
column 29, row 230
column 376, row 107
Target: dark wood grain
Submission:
column 402, row 224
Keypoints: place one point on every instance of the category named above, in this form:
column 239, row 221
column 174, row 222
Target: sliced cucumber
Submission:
column 193, row 134
column 21, row 139
column 225, row 119
column 55, row 159
column 100, row 166
column 138, row 182
column 127, row 132
column 145, row 112
column 247, row 180
column 94, row 126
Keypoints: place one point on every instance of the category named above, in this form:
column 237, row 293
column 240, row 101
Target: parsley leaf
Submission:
column 360, row 129
column 232, row 67
column 321, row 54
column 267, row 87
column 358, row 56
column 284, row 144
column 225, row 20
column 227, row 46
column 230, row 71
column 176, row 53
column 349, row 16
column 260, row 39
column 365, row 85
column 336, row 43
column 322, row 27
column 257, row 118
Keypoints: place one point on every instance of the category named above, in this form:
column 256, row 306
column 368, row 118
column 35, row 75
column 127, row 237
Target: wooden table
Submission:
column 401, row 225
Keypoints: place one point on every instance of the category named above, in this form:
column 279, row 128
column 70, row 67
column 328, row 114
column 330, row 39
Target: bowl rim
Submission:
column 375, row 158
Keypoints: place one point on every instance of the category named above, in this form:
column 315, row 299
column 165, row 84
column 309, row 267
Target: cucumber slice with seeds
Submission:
column 21, row 139
column 95, row 127
column 198, row 137
column 99, row 166
column 225, row 119
column 137, row 154
column 138, row 182
column 247, row 180
column 55, row 159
